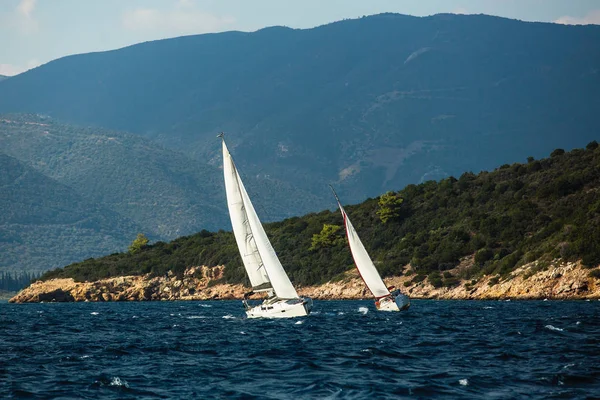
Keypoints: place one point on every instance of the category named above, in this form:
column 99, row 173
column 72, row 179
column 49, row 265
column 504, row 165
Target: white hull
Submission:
column 281, row 308
column 397, row 303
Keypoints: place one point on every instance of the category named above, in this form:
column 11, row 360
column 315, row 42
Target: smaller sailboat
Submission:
column 264, row 269
column 384, row 299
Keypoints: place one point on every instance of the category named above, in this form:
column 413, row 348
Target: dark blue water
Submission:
column 345, row 349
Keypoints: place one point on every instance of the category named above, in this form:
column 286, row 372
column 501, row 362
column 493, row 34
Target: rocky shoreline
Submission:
column 558, row 281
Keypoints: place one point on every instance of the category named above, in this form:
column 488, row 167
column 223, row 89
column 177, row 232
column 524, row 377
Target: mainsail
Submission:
column 363, row 262
column 262, row 265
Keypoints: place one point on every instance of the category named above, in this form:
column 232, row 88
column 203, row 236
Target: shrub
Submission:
column 594, row 274
column 483, row 255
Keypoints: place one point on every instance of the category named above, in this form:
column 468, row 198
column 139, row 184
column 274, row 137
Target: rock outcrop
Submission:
column 559, row 281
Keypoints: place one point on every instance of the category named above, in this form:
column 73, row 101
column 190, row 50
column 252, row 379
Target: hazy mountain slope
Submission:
column 166, row 193
column 3, row 77
column 45, row 224
column 372, row 104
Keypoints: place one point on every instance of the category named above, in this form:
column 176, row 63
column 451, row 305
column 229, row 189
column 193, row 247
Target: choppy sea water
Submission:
column 344, row 349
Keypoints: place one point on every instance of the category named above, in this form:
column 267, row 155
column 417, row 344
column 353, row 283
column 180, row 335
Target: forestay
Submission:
column 252, row 236
column 363, row 262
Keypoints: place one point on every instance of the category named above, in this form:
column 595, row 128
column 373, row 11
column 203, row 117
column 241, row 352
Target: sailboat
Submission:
column 264, row 269
column 384, row 299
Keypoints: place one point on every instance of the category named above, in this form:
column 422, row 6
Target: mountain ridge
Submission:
column 370, row 104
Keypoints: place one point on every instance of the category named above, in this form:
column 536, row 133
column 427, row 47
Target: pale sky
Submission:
column 33, row 32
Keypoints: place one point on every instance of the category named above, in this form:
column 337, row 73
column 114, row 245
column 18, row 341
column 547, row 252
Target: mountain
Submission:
column 370, row 104
column 45, row 224
column 117, row 176
column 540, row 211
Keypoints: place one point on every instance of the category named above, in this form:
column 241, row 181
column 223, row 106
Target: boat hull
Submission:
column 399, row 302
column 281, row 309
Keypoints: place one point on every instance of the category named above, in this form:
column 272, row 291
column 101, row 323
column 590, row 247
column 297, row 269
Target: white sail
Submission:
column 241, row 228
column 252, row 236
column 363, row 262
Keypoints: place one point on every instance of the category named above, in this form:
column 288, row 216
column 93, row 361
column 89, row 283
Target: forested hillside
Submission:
column 536, row 210
column 371, row 104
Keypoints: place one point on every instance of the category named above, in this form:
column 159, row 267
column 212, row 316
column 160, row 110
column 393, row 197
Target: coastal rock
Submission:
column 560, row 281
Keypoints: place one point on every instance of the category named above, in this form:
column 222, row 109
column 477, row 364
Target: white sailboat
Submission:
column 260, row 261
column 384, row 299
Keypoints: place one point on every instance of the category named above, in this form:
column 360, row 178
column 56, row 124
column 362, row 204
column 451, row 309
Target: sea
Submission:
column 342, row 350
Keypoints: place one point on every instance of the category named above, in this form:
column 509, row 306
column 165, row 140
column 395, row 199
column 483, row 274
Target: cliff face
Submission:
column 198, row 283
column 561, row 281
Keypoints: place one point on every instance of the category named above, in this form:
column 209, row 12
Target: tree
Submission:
column 328, row 237
column 389, row 206
column 557, row 152
column 139, row 243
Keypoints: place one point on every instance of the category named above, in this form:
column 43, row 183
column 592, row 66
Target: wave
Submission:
column 553, row 328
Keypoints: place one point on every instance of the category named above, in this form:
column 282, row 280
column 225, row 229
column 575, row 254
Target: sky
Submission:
column 34, row 32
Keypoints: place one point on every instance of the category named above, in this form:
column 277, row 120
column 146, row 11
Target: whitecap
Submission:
column 463, row 382
column 84, row 357
column 578, row 323
column 363, row 310
column 175, row 326
column 545, row 299
column 242, row 333
column 116, row 381
column 568, row 366
column 94, row 313
column 341, row 313
column 487, row 308
column 299, row 322
column 195, row 317
column 205, row 305
column 553, row 328
column 135, row 316
column 507, row 300
column 228, row 316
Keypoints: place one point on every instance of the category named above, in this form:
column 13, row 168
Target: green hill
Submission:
column 539, row 210
column 45, row 224
column 371, row 104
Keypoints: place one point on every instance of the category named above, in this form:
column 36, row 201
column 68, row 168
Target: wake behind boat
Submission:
column 264, row 269
column 384, row 299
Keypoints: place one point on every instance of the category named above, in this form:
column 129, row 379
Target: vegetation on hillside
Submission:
column 539, row 210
